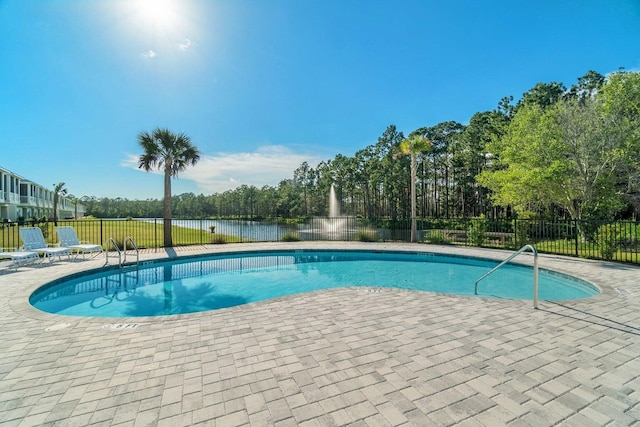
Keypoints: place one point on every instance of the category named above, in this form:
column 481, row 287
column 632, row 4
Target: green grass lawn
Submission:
column 144, row 234
column 150, row 235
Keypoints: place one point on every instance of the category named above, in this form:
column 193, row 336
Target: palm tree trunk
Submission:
column 414, row 227
column 55, row 209
column 166, row 208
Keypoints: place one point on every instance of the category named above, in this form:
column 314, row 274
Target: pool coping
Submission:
column 422, row 254
column 19, row 302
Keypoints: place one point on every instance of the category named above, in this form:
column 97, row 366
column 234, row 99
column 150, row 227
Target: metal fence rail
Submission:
column 617, row 241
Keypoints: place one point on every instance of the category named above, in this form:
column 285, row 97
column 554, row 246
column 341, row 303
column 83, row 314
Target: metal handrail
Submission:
column 133, row 246
column 115, row 246
column 535, row 271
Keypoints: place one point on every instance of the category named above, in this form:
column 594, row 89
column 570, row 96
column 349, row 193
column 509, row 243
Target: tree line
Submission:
column 556, row 152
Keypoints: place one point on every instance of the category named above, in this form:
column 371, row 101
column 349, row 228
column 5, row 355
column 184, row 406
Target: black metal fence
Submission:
column 618, row 241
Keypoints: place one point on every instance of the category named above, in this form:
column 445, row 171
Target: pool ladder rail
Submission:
column 121, row 254
column 512, row 256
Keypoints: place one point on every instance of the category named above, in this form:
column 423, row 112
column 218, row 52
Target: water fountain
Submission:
column 334, row 206
column 335, row 227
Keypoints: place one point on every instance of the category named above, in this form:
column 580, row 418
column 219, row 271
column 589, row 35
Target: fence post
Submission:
column 575, row 227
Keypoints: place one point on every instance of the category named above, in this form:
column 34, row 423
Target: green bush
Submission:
column 118, row 241
column 477, row 232
column 522, row 233
column 607, row 238
column 218, row 239
column 629, row 237
column 45, row 229
column 366, row 236
column 290, row 237
column 613, row 237
column 438, row 238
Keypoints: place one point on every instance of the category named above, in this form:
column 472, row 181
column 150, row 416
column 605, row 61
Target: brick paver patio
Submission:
column 351, row 356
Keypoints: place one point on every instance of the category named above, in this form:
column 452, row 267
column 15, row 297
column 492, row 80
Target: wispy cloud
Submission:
column 225, row 171
column 185, row 44
column 150, row 54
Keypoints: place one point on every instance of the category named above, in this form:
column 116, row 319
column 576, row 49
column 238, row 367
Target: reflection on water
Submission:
column 198, row 284
column 258, row 231
column 123, row 282
column 317, row 228
column 126, row 280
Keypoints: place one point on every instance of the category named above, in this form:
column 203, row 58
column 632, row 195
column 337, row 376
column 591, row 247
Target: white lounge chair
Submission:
column 69, row 239
column 33, row 240
column 19, row 258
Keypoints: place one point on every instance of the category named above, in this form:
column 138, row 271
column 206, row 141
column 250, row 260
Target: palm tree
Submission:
column 58, row 190
column 412, row 146
column 164, row 149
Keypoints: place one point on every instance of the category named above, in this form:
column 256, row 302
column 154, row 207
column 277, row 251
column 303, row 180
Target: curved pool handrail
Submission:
column 515, row 254
column 115, row 246
column 134, row 247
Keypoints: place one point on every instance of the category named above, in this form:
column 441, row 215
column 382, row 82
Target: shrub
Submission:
column 292, row 221
column 607, row 238
column 366, row 236
column 629, row 237
column 477, row 233
column 438, row 238
column 44, row 228
column 522, row 233
column 290, row 237
column 118, row 241
column 611, row 237
column 218, row 239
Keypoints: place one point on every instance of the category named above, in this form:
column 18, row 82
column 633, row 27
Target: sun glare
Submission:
column 160, row 13
column 158, row 26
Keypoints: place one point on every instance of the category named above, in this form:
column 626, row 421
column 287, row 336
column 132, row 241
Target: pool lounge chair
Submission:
column 19, row 258
column 33, row 240
column 69, row 239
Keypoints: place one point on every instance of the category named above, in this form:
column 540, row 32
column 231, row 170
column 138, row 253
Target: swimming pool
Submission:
column 202, row 283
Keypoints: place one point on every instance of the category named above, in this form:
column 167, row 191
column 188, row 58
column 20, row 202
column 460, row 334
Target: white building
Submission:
column 21, row 199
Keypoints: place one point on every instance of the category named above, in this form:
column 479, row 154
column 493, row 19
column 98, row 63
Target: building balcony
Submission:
column 28, row 200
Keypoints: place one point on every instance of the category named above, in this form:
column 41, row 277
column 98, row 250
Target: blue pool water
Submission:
column 207, row 283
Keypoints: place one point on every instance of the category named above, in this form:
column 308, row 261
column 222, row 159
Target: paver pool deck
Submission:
column 346, row 356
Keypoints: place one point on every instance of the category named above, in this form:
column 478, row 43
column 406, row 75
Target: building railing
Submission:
column 616, row 241
column 13, row 198
column 28, row 200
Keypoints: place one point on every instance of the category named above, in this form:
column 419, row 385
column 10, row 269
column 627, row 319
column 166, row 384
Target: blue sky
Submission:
column 261, row 86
